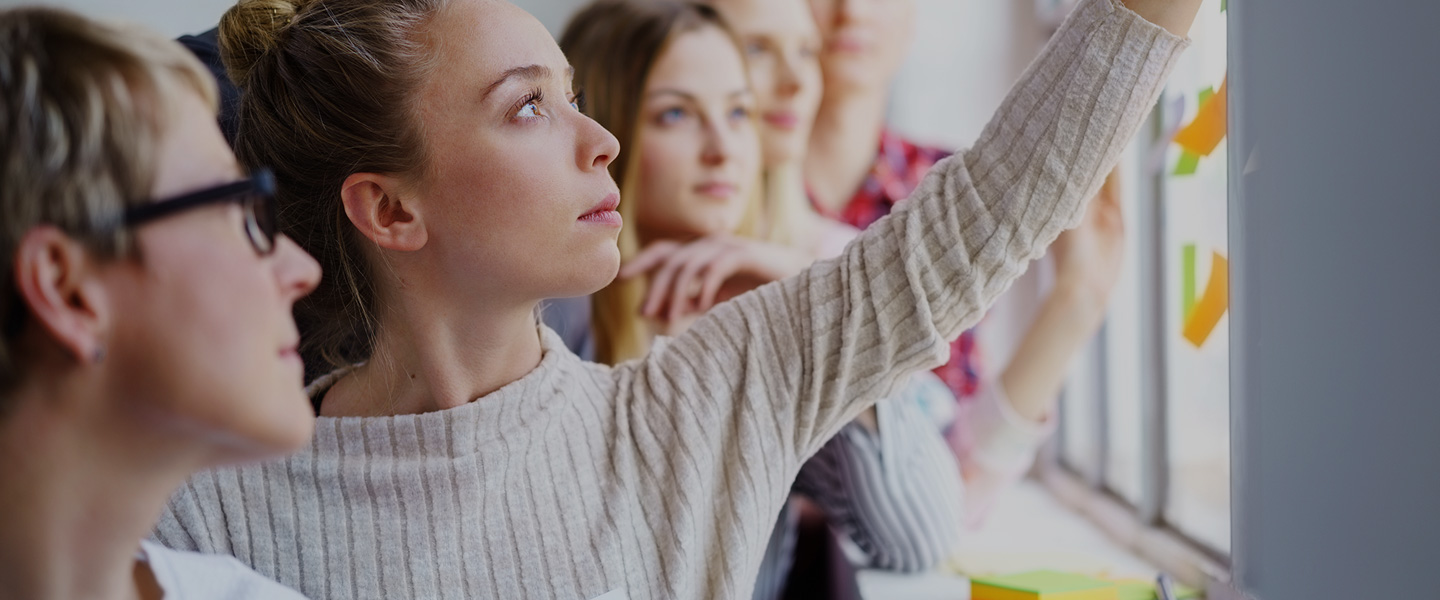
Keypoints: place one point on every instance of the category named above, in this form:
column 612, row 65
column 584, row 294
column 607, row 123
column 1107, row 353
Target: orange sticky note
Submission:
column 1203, row 134
column 1212, row 305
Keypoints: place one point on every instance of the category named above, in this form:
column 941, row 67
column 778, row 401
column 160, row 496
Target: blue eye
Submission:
column 740, row 113
column 671, row 116
column 529, row 111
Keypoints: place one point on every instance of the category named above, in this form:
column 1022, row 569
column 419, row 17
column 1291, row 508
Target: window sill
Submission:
column 1028, row 528
column 1054, row 523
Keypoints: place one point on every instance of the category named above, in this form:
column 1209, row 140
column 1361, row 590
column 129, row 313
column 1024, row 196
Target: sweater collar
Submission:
column 459, row 430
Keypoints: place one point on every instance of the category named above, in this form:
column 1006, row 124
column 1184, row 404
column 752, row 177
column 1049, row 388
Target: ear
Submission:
column 375, row 206
column 55, row 276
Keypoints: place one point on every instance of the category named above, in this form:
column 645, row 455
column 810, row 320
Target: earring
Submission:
column 98, row 356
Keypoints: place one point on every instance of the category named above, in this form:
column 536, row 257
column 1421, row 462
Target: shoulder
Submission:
column 193, row 576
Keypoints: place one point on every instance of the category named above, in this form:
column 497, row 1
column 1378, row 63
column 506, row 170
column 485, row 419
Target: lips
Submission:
column 722, row 190
column 291, row 353
column 782, row 119
column 604, row 212
column 849, row 42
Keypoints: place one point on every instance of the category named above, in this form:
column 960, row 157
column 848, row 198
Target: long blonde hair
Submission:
column 613, row 44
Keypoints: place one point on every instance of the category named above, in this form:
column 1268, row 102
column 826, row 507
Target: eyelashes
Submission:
column 533, row 104
column 529, row 106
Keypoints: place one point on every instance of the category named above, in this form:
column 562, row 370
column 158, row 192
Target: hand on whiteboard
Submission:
column 1088, row 258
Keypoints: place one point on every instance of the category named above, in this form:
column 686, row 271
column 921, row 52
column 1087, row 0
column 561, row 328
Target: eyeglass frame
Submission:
column 260, row 185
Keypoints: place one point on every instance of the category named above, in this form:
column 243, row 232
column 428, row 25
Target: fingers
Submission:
column 648, row 259
column 719, row 272
column 687, row 284
column 663, row 278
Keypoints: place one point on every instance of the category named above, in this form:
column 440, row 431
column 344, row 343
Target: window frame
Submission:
column 1143, row 527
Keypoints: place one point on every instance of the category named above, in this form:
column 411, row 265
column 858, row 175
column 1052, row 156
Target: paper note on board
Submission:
column 1189, row 162
column 1212, row 305
column 1204, row 133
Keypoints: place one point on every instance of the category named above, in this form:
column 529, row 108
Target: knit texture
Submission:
column 662, row 477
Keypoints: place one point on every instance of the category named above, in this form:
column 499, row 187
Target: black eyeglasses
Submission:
column 256, row 196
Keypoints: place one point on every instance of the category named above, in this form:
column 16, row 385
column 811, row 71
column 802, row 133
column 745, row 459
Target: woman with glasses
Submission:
column 433, row 153
column 145, row 301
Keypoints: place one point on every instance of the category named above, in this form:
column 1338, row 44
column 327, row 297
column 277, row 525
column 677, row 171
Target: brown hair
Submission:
column 327, row 91
column 82, row 109
column 613, row 44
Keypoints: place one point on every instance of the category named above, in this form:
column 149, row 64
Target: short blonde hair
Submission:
column 82, row 109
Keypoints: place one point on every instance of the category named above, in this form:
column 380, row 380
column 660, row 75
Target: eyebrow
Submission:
column 525, row 73
column 689, row 96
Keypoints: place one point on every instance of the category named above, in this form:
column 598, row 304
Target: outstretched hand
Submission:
column 687, row 278
column 1088, row 257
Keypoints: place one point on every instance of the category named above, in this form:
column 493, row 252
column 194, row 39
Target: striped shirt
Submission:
column 661, row 477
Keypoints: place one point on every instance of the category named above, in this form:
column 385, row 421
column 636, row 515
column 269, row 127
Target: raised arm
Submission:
column 800, row 358
column 1175, row 16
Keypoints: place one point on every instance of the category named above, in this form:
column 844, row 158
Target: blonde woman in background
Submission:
column 430, row 155
column 692, row 173
column 146, row 304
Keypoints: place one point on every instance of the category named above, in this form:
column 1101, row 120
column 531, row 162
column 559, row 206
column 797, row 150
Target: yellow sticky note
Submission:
column 1212, row 305
column 1203, row 134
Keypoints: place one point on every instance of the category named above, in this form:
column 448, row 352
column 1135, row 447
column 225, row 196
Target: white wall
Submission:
column 965, row 58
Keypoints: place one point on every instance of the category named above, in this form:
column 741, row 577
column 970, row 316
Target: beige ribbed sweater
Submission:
column 662, row 477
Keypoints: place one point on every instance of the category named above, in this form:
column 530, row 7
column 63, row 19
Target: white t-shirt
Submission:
column 195, row 576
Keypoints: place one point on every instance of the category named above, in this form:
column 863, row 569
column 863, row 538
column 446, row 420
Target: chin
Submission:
column 290, row 429
column 781, row 149
column 593, row 274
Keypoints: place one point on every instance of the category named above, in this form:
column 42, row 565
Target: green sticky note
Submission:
column 1189, row 161
column 1187, row 282
column 1223, row 4
column 1206, row 93
column 1041, row 584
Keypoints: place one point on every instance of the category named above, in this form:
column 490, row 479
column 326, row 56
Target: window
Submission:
column 1197, row 398
column 1145, row 416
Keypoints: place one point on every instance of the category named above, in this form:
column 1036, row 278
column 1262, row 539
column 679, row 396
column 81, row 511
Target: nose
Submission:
column 595, row 146
column 851, row 10
column 718, row 147
column 787, row 77
column 295, row 270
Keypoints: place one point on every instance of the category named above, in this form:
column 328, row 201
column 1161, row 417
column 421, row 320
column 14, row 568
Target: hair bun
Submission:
column 249, row 30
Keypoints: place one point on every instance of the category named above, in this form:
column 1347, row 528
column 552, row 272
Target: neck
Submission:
column 79, row 492
column 786, row 189
column 428, row 359
column 843, row 142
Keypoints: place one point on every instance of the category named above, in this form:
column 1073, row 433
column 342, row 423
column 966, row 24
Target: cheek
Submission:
column 812, row 84
column 764, row 79
column 497, row 200
column 665, row 165
column 200, row 343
